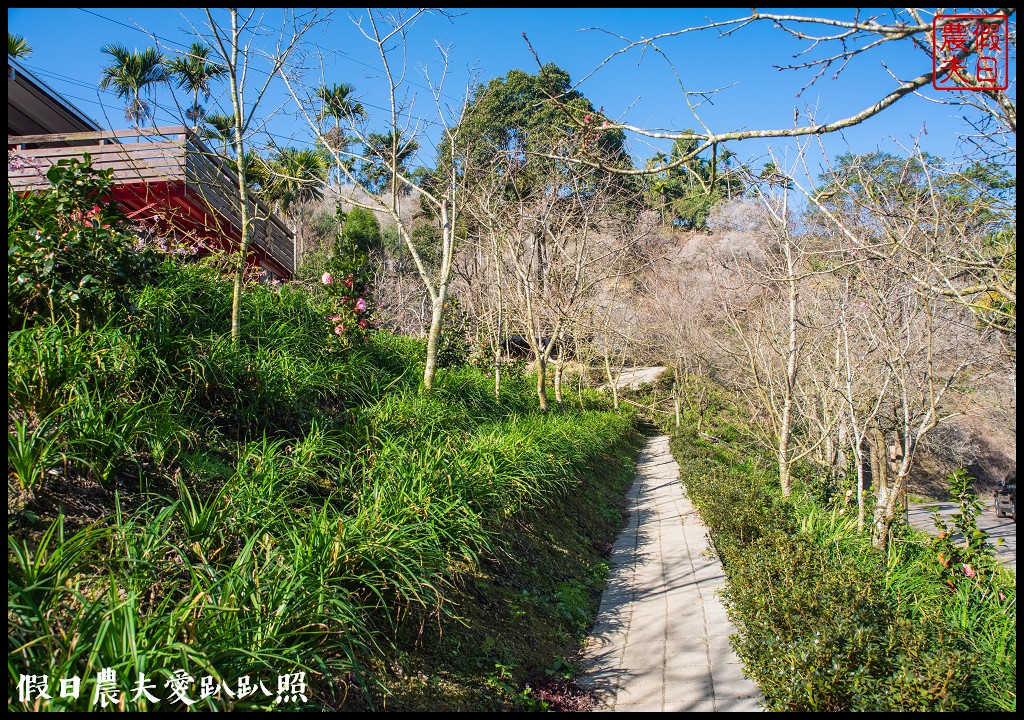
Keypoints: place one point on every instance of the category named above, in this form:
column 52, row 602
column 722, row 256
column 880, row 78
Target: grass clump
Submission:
column 177, row 503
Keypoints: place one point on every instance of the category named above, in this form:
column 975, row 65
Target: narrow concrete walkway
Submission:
column 661, row 641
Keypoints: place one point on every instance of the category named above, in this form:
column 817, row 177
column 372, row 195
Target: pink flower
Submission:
column 363, row 324
column 586, row 118
column 969, row 571
column 336, row 318
column 326, row 278
column 360, row 305
column 339, row 329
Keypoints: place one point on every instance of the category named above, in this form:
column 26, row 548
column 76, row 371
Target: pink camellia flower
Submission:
column 969, row 571
column 363, row 324
column 336, row 318
column 360, row 305
column 587, row 118
column 339, row 329
column 326, row 278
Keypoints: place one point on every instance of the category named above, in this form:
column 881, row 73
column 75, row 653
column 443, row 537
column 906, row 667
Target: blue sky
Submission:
column 641, row 90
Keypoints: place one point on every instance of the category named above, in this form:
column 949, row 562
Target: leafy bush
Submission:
column 826, row 622
column 70, row 252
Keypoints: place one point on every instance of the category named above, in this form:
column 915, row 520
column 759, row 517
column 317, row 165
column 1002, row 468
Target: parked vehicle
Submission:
column 1006, row 496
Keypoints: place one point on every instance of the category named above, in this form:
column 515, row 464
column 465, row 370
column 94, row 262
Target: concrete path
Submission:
column 636, row 376
column 661, row 641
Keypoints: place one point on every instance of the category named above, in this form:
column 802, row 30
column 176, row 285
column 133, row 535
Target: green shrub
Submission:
column 70, row 252
column 825, row 622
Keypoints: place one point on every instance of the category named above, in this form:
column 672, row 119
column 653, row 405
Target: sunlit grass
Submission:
column 270, row 507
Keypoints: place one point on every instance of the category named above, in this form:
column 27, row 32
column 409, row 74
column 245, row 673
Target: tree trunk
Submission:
column 785, row 471
column 243, row 185
column 497, row 373
column 611, row 381
column 677, row 392
column 542, row 392
column 879, row 465
column 894, row 496
column 433, row 337
column 499, row 335
column 785, row 427
column 558, row 379
column 858, row 456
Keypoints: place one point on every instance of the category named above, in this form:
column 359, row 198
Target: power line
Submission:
column 132, row 27
column 259, row 70
column 426, row 123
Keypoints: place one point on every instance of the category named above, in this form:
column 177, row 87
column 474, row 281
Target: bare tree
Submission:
column 557, row 246
column 905, row 342
column 236, row 47
column 383, row 158
column 768, row 328
column 994, row 111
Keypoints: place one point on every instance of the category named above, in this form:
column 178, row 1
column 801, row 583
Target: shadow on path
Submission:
column 661, row 641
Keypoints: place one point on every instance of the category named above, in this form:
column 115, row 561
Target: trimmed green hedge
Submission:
column 828, row 624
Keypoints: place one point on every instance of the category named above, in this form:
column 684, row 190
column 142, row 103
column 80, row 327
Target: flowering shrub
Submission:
column 70, row 250
column 960, row 547
column 347, row 283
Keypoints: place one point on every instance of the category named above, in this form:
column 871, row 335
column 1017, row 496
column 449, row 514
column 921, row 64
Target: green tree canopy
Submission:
column 685, row 195
column 523, row 117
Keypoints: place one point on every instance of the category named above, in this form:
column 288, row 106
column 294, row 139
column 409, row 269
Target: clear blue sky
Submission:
column 639, row 90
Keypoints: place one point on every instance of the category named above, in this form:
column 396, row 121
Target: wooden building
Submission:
column 164, row 178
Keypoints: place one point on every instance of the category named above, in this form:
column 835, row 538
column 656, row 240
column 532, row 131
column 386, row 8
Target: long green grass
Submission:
column 271, row 508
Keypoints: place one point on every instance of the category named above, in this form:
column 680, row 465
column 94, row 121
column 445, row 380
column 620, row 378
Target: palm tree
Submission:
column 193, row 72
column 377, row 167
column 17, row 46
column 131, row 74
column 298, row 176
column 220, row 128
column 339, row 105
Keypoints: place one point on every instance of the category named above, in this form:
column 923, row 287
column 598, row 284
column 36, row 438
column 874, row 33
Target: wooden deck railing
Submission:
column 172, row 155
